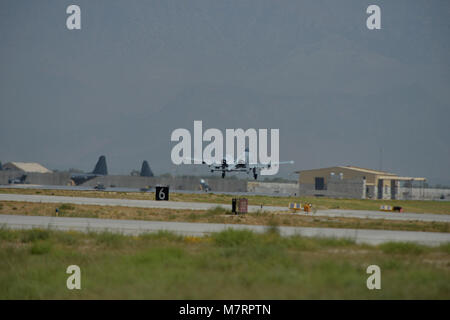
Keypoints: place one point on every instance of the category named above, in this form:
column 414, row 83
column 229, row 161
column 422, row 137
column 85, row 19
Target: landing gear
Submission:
column 224, row 166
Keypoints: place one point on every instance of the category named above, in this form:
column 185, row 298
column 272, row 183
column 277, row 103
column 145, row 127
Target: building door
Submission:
column 320, row 183
column 393, row 190
column 380, row 189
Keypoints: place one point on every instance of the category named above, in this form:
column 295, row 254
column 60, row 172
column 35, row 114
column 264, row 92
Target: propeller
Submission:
column 224, row 163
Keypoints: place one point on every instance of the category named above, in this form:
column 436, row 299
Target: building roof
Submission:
column 377, row 172
column 381, row 174
column 26, row 167
column 402, row 178
column 368, row 170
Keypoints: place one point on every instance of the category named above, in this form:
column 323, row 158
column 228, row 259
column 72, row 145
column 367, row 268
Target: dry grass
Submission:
column 215, row 215
column 437, row 207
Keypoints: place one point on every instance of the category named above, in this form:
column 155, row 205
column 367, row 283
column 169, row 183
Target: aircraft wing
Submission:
column 208, row 162
column 268, row 165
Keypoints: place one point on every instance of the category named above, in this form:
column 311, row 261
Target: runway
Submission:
column 135, row 227
column 360, row 214
column 127, row 202
column 125, row 189
column 368, row 214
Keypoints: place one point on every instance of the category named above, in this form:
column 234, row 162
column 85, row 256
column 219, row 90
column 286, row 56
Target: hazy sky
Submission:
column 137, row 70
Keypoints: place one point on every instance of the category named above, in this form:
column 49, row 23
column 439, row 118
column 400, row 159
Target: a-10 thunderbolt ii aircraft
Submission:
column 241, row 165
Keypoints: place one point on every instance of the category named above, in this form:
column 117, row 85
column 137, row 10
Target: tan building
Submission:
column 26, row 167
column 355, row 182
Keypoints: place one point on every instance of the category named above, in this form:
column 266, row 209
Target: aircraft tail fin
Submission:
column 145, row 170
column 100, row 167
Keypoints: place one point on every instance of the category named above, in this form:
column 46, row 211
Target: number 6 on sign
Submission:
column 162, row 193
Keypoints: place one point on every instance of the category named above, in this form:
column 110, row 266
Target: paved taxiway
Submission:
column 127, row 202
column 361, row 214
column 152, row 189
column 368, row 214
column 134, row 227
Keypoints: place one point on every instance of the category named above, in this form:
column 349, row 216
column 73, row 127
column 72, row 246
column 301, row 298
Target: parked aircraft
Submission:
column 145, row 170
column 99, row 170
column 18, row 180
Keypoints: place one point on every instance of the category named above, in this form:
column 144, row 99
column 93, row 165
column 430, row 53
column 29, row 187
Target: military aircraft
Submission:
column 100, row 170
column 145, row 170
column 18, row 180
column 241, row 165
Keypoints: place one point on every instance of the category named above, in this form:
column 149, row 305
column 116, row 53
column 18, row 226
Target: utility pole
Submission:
column 381, row 159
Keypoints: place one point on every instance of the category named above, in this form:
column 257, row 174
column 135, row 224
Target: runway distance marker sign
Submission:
column 162, row 193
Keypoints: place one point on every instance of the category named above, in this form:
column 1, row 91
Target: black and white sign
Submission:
column 162, row 193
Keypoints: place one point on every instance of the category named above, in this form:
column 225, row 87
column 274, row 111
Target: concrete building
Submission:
column 358, row 183
column 26, row 167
